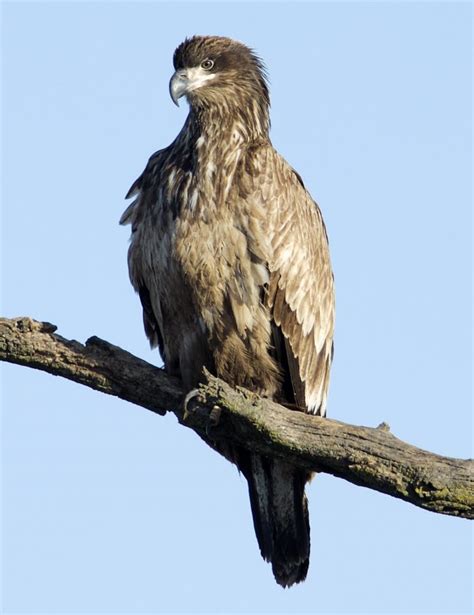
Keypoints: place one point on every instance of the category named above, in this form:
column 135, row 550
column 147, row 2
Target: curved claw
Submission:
column 191, row 395
column 215, row 416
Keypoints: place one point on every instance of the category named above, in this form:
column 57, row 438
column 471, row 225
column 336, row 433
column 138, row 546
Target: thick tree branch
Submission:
column 365, row 456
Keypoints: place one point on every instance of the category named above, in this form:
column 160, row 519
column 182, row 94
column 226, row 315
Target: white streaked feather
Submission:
column 193, row 199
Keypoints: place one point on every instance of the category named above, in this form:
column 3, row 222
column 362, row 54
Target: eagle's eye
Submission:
column 207, row 64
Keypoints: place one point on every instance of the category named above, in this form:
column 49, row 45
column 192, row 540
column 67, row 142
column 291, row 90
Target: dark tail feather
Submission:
column 280, row 516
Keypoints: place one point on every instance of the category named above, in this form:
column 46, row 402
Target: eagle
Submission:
column 229, row 256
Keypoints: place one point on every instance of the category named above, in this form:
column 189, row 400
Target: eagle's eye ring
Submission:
column 207, row 64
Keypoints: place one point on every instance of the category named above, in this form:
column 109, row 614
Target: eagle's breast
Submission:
column 219, row 246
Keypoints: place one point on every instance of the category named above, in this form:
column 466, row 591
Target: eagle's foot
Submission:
column 192, row 403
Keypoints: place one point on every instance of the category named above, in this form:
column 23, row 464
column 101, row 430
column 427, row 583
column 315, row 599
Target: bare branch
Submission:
column 371, row 457
column 97, row 364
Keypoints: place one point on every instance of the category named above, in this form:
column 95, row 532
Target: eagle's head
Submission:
column 217, row 71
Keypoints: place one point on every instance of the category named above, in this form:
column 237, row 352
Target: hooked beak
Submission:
column 179, row 83
column 186, row 80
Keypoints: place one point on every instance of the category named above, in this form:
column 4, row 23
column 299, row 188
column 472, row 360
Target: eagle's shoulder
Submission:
column 271, row 171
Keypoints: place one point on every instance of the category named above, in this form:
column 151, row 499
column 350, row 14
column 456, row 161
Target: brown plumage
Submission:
column 229, row 255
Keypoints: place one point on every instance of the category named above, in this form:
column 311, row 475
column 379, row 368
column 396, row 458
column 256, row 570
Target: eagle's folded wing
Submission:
column 301, row 290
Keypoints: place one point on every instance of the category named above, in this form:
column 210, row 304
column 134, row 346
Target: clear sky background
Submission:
column 109, row 508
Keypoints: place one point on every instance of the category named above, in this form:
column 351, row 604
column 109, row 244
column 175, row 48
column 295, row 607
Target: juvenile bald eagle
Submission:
column 230, row 258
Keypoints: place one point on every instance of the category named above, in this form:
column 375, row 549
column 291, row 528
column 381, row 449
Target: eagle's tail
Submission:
column 280, row 516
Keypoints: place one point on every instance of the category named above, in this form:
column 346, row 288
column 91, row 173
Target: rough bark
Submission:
column 371, row 457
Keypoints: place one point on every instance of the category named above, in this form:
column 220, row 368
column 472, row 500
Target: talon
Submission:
column 215, row 416
column 194, row 393
column 213, row 419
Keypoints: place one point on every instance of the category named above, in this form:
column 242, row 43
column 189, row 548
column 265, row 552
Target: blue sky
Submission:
column 108, row 508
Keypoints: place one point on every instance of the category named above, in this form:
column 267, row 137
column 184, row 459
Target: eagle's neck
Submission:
column 212, row 144
column 225, row 124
